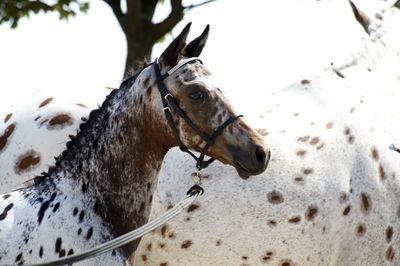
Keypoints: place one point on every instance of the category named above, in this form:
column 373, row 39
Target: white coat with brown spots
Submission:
column 330, row 196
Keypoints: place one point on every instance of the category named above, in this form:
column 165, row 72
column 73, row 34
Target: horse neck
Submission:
column 118, row 154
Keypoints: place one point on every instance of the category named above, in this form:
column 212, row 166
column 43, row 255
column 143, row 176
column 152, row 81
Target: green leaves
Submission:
column 12, row 11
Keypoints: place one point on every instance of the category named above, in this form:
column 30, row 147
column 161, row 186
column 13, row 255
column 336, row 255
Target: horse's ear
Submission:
column 170, row 57
column 361, row 17
column 194, row 48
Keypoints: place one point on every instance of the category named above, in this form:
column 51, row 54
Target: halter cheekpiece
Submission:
column 169, row 101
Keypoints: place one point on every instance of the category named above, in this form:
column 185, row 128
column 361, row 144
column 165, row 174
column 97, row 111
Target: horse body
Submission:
column 103, row 183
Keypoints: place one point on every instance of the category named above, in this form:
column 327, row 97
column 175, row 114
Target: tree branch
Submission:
column 200, row 4
column 169, row 23
column 116, row 7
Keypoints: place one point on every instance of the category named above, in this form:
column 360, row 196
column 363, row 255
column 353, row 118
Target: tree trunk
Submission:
column 139, row 53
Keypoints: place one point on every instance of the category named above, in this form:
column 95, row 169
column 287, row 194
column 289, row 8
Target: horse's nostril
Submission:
column 260, row 155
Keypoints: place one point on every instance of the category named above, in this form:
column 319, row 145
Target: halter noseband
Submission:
column 169, row 101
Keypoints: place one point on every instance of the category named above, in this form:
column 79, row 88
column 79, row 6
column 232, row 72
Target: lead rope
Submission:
column 195, row 191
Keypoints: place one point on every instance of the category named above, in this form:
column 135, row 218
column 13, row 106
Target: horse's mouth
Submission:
column 242, row 171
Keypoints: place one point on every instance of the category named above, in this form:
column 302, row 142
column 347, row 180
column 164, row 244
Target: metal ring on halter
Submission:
column 166, row 108
column 168, row 94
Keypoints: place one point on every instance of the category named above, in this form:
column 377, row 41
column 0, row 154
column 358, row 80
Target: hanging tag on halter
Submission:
column 196, row 177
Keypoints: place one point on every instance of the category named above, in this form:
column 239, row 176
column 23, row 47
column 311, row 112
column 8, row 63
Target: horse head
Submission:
column 194, row 90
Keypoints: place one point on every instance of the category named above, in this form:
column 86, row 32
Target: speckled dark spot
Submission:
column 314, row 140
column 70, row 252
column 27, row 162
column 186, row 244
column 360, row 230
column 329, row 125
column 41, row 251
column 275, row 197
column 303, row 139
column 56, row 206
column 45, row 102
column 19, row 257
column 295, row 219
column 311, row 213
column 163, row 264
column 365, row 203
column 375, row 154
column 8, row 116
column 144, row 257
column 79, row 231
column 75, row 211
column 305, row 82
column 218, row 242
column 81, row 215
column 3, row 215
column 301, row 152
column 271, row 223
column 346, row 210
column 390, row 252
column 193, row 207
column 389, row 234
column 62, row 253
column 58, row 245
column 6, row 196
column 382, row 173
column 89, row 233
column 45, row 205
column 7, row 133
column 164, row 229
column 308, row 171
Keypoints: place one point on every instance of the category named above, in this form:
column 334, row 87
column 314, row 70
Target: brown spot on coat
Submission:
column 295, row 219
column 59, row 121
column 45, row 102
column 365, row 203
column 27, row 162
column 218, row 242
column 286, row 262
column 275, row 197
column 193, row 207
column 303, row 139
column 186, row 244
column 389, row 234
column 314, row 140
column 296, row 114
column 374, row 153
column 346, row 210
column 164, row 230
column 299, row 179
column 320, row 146
column 144, row 257
column 305, row 82
column 7, row 133
column 301, row 152
column 308, row 171
column 390, row 252
column 7, row 117
column 382, row 174
column 37, row 118
column 81, row 105
column 148, row 247
column 311, row 213
column 339, row 74
column 360, row 230
column 163, row 264
column 329, row 125
column 271, row 223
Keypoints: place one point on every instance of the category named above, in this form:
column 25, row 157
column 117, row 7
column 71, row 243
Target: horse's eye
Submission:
column 196, row 96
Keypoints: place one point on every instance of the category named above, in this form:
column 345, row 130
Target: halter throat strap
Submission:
column 169, row 102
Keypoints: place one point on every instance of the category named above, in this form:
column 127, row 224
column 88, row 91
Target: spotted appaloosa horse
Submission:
column 330, row 195
column 103, row 184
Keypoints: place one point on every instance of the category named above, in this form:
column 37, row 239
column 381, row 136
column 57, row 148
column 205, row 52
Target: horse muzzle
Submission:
column 251, row 161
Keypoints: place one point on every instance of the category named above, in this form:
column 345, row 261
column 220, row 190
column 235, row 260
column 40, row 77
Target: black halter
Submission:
column 169, row 101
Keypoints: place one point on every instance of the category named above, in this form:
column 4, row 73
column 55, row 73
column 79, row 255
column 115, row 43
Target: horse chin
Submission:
column 242, row 172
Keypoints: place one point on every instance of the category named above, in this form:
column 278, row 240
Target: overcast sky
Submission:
column 253, row 45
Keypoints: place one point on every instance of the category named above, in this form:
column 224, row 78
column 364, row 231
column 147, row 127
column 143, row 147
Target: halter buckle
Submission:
column 167, row 108
column 168, row 94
